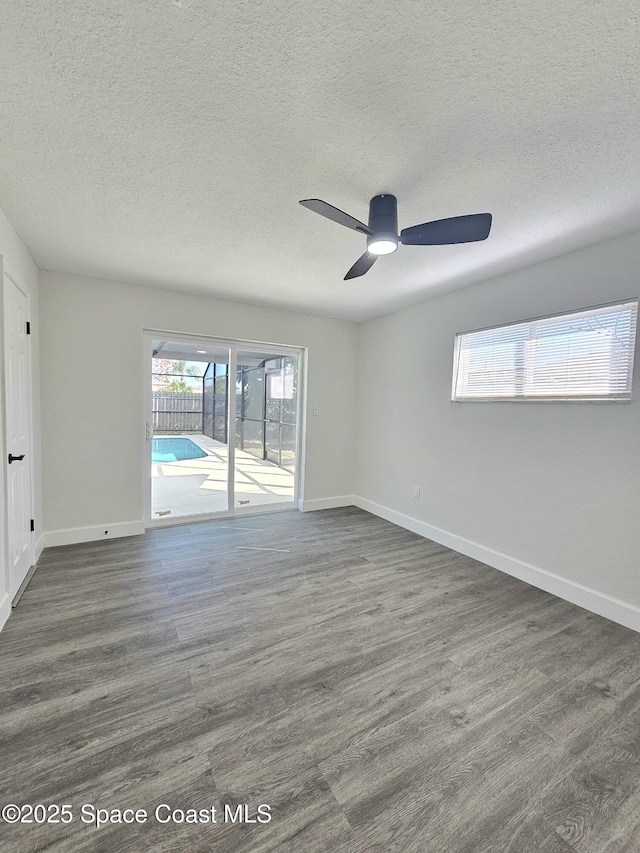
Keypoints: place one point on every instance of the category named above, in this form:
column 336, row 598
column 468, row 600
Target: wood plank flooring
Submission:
column 378, row 691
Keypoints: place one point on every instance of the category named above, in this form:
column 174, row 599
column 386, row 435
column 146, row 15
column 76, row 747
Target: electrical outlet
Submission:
column 416, row 491
column 315, row 411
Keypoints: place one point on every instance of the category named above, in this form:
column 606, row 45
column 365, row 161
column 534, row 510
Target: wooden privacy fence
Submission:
column 174, row 411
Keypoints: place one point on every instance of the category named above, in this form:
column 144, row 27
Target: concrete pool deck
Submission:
column 197, row 486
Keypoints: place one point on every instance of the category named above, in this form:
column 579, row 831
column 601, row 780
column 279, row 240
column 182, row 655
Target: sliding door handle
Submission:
column 13, row 458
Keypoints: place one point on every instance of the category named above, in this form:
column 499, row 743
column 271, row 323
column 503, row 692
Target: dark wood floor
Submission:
column 378, row 691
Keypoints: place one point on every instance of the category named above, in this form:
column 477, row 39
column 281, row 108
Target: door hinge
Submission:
column 33, row 525
column 28, row 327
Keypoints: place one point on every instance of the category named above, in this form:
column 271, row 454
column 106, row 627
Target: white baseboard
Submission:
column 326, row 503
column 5, row 609
column 74, row 535
column 38, row 549
column 23, row 586
column 605, row 605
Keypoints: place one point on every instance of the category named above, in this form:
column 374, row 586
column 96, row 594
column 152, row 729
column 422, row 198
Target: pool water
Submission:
column 174, row 450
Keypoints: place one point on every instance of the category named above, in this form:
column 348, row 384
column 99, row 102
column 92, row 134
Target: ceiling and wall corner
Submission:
column 169, row 144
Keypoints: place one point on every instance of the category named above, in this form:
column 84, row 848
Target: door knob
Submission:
column 13, row 458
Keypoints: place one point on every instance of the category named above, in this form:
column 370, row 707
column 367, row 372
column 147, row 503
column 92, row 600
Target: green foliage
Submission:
column 190, row 369
column 179, row 386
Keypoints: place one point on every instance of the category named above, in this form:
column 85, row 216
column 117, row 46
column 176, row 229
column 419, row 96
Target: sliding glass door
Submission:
column 222, row 427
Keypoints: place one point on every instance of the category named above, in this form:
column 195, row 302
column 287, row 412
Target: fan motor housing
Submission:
column 383, row 218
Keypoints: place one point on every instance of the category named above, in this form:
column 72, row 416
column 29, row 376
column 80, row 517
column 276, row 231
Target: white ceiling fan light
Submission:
column 382, row 244
column 182, row 4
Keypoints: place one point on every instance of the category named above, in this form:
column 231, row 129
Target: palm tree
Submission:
column 178, row 370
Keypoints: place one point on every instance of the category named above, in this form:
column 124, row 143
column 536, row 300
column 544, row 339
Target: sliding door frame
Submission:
column 234, row 344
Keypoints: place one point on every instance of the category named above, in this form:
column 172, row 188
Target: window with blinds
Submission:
column 585, row 355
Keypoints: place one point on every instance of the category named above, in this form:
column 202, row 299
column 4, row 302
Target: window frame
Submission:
column 523, row 398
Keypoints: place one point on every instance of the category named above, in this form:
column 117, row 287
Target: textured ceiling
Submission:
column 169, row 146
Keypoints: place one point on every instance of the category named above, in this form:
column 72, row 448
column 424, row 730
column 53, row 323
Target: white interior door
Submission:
column 17, row 408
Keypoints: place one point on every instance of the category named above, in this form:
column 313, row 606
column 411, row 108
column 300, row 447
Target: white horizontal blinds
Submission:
column 586, row 354
column 487, row 362
column 583, row 355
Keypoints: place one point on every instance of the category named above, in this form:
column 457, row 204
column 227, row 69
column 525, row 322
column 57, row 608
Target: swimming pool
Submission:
column 174, row 450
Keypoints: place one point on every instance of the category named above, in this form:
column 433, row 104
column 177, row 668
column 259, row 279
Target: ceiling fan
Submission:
column 382, row 230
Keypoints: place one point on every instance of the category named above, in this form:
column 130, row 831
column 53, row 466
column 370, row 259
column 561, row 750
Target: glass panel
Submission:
column 208, row 402
column 253, row 393
column 288, row 447
column 266, row 433
column 290, row 399
column 189, row 452
column 220, row 410
column 253, row 437
column 272, row 442
column 273, row 407
column 239, row 407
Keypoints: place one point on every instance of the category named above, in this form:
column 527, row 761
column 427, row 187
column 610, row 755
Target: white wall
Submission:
column 555, row 485
column 92, row 387
column 17, row 261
